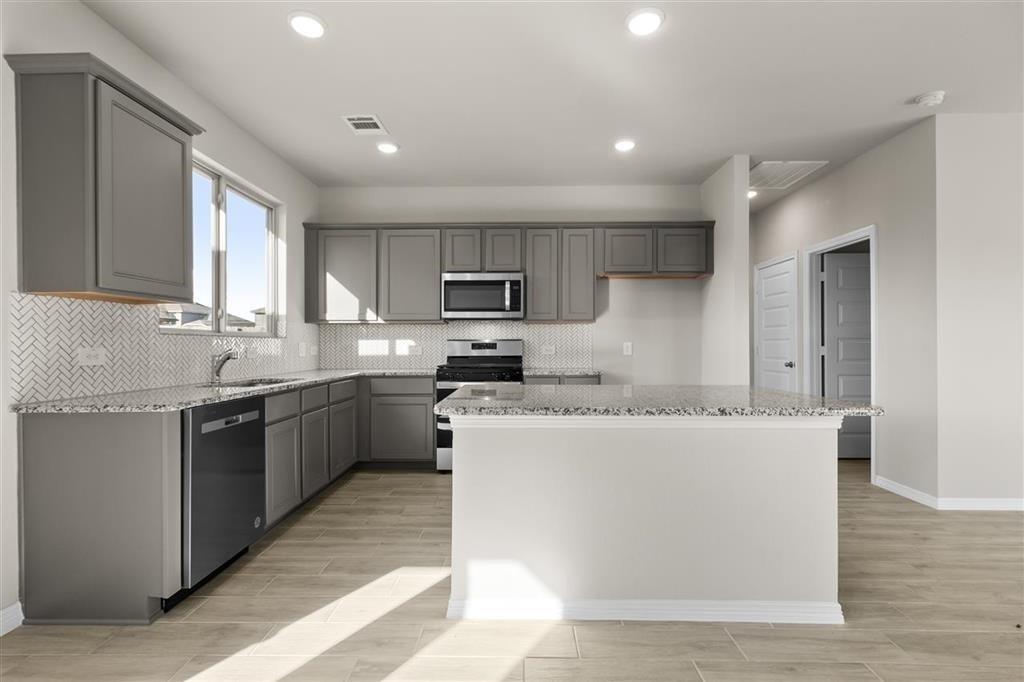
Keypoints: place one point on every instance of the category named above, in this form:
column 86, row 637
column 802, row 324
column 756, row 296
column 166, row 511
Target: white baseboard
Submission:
column 743, row 611
column 951, row 503
column 10, row 618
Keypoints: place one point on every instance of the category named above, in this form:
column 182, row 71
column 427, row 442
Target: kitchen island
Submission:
column 715, row 503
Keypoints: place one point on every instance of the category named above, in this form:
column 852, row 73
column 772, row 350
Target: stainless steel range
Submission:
column 473, row 362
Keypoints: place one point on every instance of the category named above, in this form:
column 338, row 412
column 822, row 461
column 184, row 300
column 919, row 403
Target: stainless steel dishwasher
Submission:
column 223, row 484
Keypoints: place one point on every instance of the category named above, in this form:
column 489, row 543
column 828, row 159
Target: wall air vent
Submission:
column 781, row 174
column 365, row 124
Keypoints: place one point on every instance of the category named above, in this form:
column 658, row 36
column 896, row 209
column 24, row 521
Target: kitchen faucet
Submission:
column 219, row 360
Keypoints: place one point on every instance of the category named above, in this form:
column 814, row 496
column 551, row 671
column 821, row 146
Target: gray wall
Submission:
column 891, row 186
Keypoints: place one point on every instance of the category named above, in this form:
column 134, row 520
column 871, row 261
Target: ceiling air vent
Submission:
column 781, row 174
column 365, row 124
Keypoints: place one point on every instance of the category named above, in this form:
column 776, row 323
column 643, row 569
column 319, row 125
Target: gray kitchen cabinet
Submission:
column 503, row 249
column 410, row 274
column 284, row 468
column 105, row 189
column 402, row 427
column 578, row 380
column 566, row 379
column 577, row 277
column 343, row 437
column 462, row 249
column 682, row 249
column 542, row 267
column 344, row 264
column 628, row 250
column 316, row 465
column 551, row 380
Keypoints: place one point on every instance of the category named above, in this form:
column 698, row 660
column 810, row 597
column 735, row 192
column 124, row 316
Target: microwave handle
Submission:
column 508, row 295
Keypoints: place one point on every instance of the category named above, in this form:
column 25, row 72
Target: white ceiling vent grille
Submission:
column 365, row 124
column 781, row 174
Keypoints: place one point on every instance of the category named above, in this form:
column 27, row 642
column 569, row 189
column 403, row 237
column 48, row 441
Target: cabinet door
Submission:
column 284, row 469
column 628, row 249
column 578, row 276
column 143, row 200
column 402, row 427
column 580, row 380
column 410, row 274
column 462, row 249
column 542, row 262
column 315, row 452
column 343, row 437
column 346, row 275
column 503, row 249
column 541, row 381
column 682, row 249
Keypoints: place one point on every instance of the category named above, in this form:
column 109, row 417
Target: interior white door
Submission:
column 846, row 336
column 775, row 318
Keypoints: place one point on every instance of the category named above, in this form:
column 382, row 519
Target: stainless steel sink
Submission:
column 248, row 383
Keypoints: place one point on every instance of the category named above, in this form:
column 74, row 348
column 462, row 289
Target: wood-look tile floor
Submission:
column 354, row 587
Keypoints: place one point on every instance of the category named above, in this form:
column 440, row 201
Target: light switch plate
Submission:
column 314, row 349
column 547, row 349
column 627, row 347
column 90, row 356
column 303, row 347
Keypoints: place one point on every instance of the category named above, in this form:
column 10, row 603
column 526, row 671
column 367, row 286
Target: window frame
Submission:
column 223, row 180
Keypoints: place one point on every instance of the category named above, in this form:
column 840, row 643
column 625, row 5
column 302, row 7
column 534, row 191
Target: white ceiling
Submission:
column 525, row 93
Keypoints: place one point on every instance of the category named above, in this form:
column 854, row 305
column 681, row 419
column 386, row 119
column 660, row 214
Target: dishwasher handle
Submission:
column 228, row 422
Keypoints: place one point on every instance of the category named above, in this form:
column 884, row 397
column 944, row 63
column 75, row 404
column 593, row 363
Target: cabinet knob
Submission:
column 790, row 364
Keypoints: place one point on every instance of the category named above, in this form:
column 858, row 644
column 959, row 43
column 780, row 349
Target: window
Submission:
column 233, row 277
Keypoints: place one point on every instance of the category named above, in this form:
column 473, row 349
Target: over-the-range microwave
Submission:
column 482, row 295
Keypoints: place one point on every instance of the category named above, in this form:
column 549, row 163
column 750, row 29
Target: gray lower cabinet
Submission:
column 105, row 189
column 343, row 436
column 577, row 274
column 410, row 274
column 628, row 250
column 345, row 266
column 402, row 427
column 541, row 381
column 462, row 249
column 503, row 249
column 568, row 380
column 284, row 468
column 316, row 466
column 542, row 267
column 577, row 380
column 682, row 249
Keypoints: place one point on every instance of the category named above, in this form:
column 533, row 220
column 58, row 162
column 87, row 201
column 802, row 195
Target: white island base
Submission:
column 645, row 518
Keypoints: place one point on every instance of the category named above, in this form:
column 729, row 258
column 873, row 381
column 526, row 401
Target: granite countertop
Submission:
column 611, row 400
column 174, row 398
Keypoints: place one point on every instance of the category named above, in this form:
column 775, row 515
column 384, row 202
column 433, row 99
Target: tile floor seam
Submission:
column 736, row 644
column 576, row 643
column 181, row 667
column 872, row 671
column 697, row 669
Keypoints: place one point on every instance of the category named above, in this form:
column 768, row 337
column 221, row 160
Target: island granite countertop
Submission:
column 612, row 400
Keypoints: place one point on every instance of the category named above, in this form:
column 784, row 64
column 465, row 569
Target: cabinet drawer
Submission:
column 540, row 380
column 281, row 406
column 315, row 397
column 578, row 380
column 342, row 390
column 402, row 386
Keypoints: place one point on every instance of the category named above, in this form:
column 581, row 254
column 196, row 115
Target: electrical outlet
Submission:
column 627, row 391
column 302, row 348
column 627, row 347
column 313, row 350
column 90, row 356
column 547, row 349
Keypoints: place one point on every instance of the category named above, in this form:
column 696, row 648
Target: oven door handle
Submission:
column 508, row 295
column 444, row 427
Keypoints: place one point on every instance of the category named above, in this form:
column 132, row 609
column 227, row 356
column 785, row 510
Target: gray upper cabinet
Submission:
column 315, row 452
column 105, row 192
column 503, row 249
column 345, row 264
column 410, row 274
column 402, row 427
column 284, row 468
column 628, row 250
column 542, row 267
column 343, row 436
column 578, row 275
column 682, row 249
column 462, row 249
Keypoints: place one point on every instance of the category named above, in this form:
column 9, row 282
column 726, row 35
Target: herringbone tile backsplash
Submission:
column 47, row 330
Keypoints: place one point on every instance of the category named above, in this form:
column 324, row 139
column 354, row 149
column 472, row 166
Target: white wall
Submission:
column 725, row 318
column 72, row 27
column 891, row 186
column 660, row 317
column 979, row 185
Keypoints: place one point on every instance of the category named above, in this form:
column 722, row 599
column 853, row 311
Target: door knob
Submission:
column 790, row 364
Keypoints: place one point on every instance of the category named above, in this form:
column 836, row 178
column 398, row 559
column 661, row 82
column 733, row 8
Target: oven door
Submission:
column 482, row 295
column 444, row 425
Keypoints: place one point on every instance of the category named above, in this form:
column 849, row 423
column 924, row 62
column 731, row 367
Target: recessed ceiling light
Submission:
column 930, row 99
column 387, row 147
column 644, row 22
column 624, row 145
column 307, row 25
column 751, row 193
